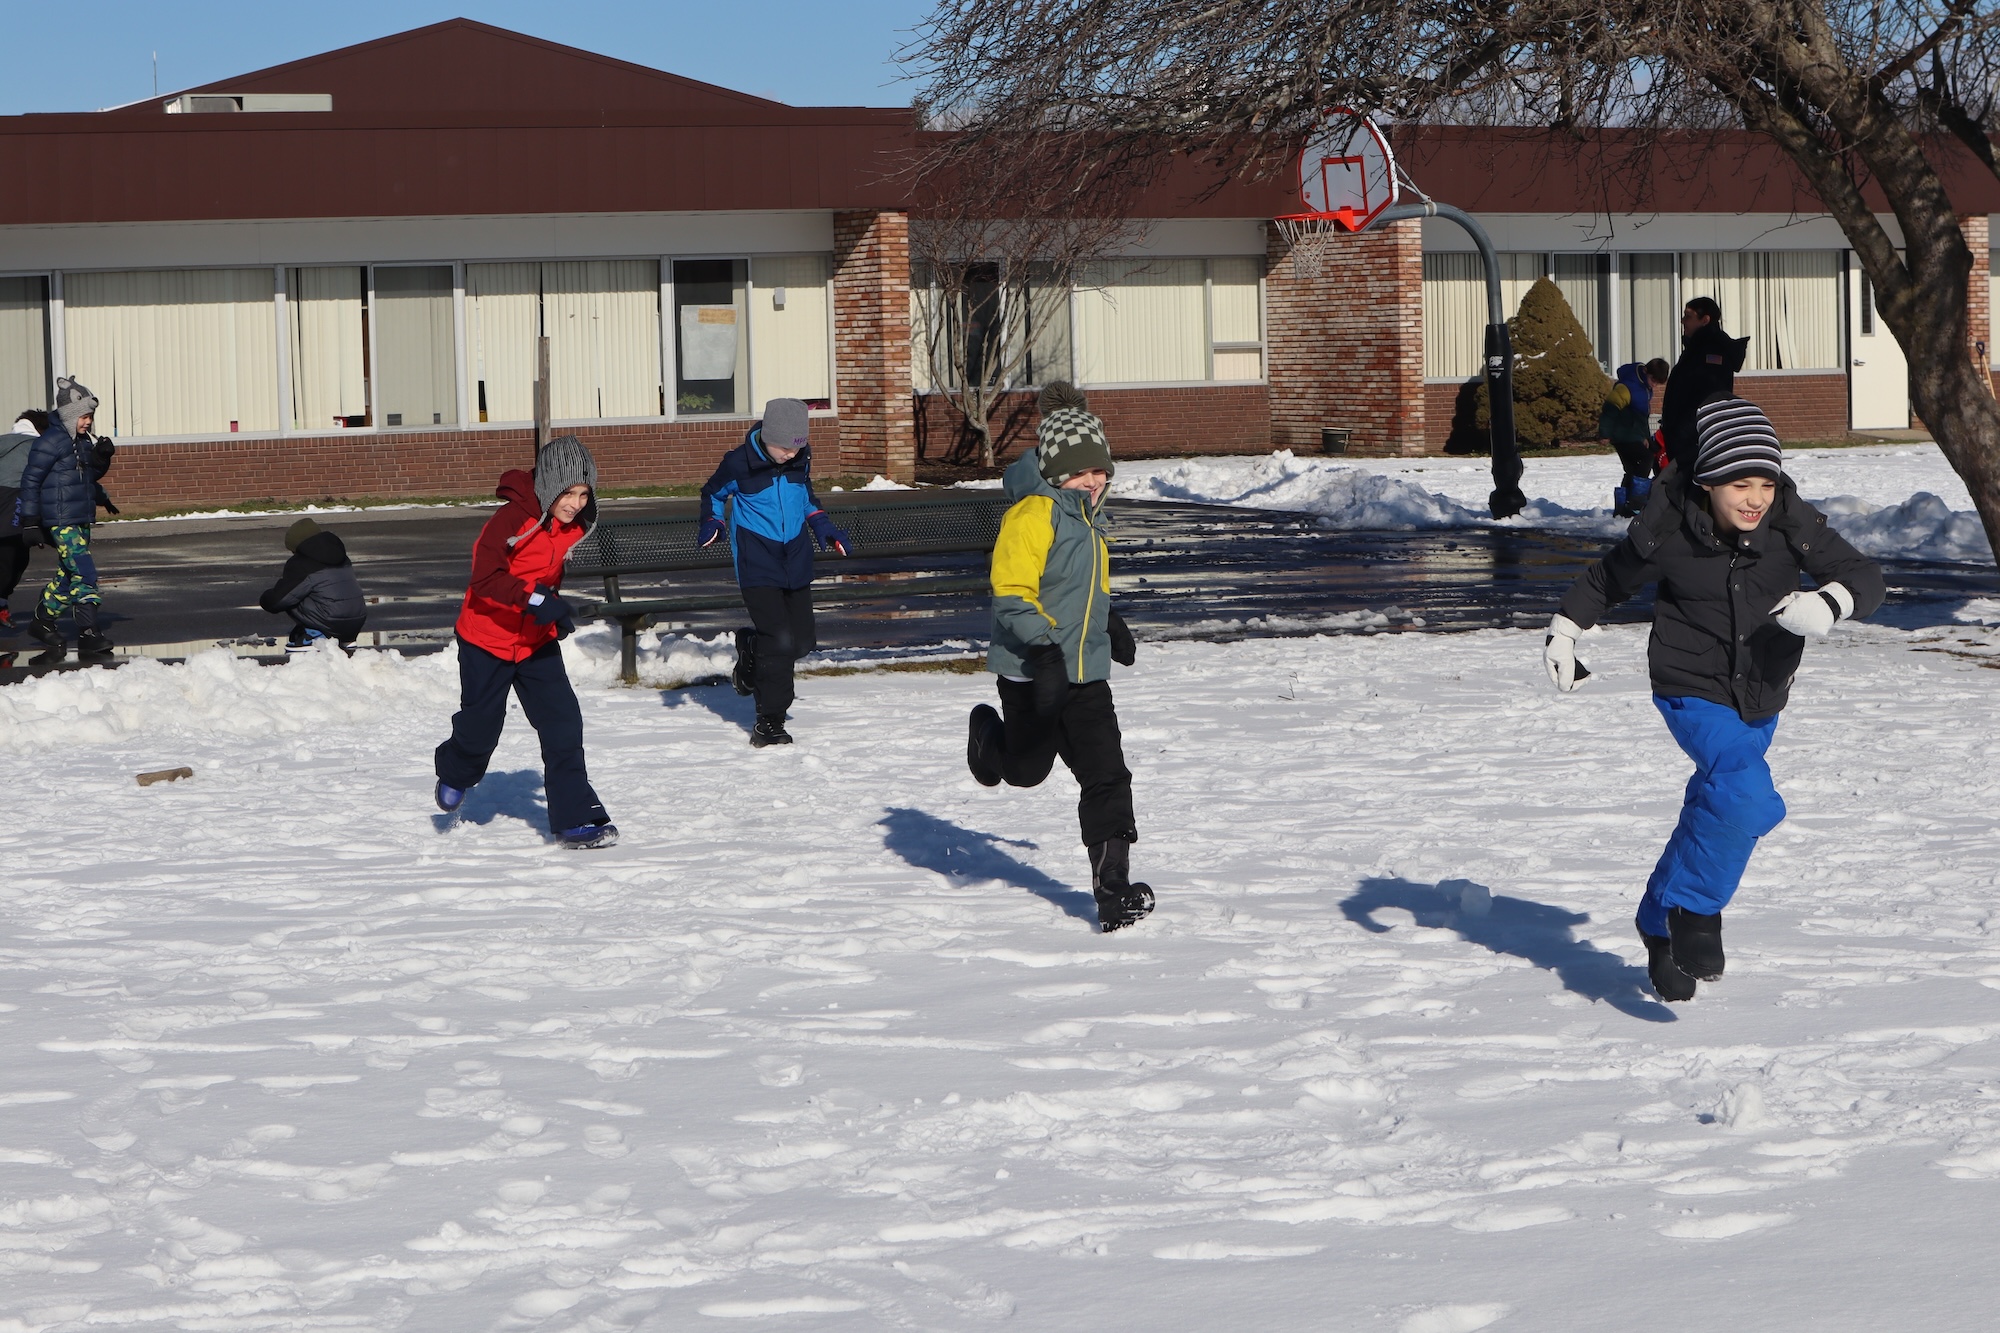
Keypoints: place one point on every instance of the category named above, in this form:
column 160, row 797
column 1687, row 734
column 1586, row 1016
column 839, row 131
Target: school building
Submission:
column 328, row 278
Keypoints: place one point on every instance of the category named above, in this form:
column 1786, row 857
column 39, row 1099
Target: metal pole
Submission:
column 541, row 394
column 1507, row 499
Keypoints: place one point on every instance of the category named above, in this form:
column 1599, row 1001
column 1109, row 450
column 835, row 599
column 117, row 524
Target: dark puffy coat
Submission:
column 14, row 451
column 318, row 585
column 59, row 485
column 1713, row 635
column 1709, row 361
column 768, row 506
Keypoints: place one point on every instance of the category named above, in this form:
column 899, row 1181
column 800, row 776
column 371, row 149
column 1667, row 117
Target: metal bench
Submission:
column 885, row 530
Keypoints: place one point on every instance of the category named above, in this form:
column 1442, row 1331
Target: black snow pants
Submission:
column 1085, row 735
column 783, row 633
column 546, row 697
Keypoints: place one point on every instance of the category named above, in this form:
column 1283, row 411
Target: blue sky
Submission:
column 85, row 54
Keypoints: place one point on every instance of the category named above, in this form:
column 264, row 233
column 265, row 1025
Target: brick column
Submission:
column 1346, row 348
column 1979, row 293
column 871, row 343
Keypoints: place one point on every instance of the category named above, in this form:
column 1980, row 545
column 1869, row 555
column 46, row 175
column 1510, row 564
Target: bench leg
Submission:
column 628, row 648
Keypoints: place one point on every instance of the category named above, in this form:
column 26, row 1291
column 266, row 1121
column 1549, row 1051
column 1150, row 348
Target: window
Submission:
column 24, row 344
column 1786, row 301
column 1584, row 281
column 1455, row 307
column 788, row 330
column 1650, row 316
column 1141, row 321
column 181, row 352
column 329, row 348
column 711, row 339
column 416, row 361
column 1236, row 321
column 990, row 321
column 602, row 319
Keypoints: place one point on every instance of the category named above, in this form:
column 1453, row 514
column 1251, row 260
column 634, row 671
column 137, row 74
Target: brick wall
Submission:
column 469, row 462
column 1347, row 347
column 1141, row 423
column 871, row 343
column 1979, row 292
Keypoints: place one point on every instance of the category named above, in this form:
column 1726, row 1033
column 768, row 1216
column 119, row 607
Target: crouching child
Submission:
column 762, row 496
column 1054, row 639
column 509, row 638
column 1726, row 546
column 317, row 589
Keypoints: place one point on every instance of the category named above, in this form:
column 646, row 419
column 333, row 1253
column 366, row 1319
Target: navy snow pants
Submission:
column 1730, row 803
column 544, row 690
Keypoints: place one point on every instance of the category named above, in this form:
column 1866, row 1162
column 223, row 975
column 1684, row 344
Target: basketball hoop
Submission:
column 1347, row 179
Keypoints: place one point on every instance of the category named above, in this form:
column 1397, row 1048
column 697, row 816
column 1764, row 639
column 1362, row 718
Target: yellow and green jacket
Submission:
column 1051, row 577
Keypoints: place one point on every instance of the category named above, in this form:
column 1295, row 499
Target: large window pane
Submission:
column 416, row 362
column 1786, row 302
column 712, row 370
column 602, row 319
column 1051, row 342
column 328, row 341
column 1454, row 315
column 1651, row 316
column 503, row 317
column 1235, row 318
column 178, row 352
column 24, row 344
column 1142, row 321
column 788, row 329
column 1583, row 281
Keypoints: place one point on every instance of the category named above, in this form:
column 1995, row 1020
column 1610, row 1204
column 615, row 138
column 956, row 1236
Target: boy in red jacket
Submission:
column 509, row 634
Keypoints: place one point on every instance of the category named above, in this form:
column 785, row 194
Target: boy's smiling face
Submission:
column 570, row 503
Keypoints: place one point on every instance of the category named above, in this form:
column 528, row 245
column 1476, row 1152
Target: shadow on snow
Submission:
column 719, row 698
column 960, row 854
column 502, row 795
column 1531, row 930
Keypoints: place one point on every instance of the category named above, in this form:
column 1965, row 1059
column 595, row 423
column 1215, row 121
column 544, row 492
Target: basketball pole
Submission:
column 1507, row 499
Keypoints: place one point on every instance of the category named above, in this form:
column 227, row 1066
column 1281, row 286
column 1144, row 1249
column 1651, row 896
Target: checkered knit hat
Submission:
column 1071, row 437
column 1734, row 440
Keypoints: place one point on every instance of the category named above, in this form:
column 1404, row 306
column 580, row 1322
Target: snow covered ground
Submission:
column 828, row 1042
column 1891, row 501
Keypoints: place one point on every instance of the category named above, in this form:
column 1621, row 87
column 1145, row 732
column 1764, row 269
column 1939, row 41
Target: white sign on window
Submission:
column 708, row 342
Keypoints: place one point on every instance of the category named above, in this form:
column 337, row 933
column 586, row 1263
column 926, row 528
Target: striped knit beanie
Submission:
column 1734, row 440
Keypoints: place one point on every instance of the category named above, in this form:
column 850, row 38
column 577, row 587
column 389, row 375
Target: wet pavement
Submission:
column 1180, row 571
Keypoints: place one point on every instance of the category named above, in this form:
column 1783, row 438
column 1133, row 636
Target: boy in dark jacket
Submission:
column 509, row 637
column 1055, row 637
column 14, row 450
column 1625, row 424
column 1729, row 624
column 762, row 496
column 317, row 588
column 59, row 498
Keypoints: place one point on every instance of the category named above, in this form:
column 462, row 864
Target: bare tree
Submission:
column 1888, row 95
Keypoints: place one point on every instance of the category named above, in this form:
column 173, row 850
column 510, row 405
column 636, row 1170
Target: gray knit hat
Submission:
column 1071, row 437
column 563, row 463
column 1734, row 440
column 73, row 403
column 786, row 424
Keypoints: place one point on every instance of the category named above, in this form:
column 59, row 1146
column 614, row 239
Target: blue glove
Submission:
column 825, row 533
column 553, row 610
column 711, row 532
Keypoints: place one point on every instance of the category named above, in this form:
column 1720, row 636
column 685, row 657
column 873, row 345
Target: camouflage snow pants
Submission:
column 75, row 584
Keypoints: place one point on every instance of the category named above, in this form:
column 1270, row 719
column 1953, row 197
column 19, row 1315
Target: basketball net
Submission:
column 1309, row 234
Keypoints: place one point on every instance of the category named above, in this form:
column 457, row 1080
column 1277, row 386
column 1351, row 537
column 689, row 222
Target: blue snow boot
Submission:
column 449, row 798
column 586, row 836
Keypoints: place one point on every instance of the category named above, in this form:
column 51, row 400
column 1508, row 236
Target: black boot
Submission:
column 985, row 739
column 92, row 646
column 770, row 730
column 1120, row 902
column 1669, row 981
column 1697, row 942
column 743, row 676
column 43, row 630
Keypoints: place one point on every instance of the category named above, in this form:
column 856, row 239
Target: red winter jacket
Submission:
column 519, row 549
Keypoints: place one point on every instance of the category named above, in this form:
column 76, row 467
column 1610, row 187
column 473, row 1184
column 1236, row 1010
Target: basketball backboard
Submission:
column 1346, row 171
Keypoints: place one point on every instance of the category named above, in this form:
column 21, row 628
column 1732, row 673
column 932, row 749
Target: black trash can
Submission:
column 1333, row 440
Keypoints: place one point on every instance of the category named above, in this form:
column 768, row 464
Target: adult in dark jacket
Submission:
column 762, row 496
column 317, row 588
column 1708, row 364
column 14, row 450
column 59, row 497
column 1729, row 625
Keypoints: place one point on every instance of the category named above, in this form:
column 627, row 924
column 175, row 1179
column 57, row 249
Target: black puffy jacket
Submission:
column 59, row 484
column 1713, row 635
column 1709, row 361
column 319, row 583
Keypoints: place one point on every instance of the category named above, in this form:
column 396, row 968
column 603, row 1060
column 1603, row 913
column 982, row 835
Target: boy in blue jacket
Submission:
column 762, row 496
column 59, row 498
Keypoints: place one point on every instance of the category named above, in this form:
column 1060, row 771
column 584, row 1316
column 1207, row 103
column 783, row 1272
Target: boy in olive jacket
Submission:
column 1054, row 639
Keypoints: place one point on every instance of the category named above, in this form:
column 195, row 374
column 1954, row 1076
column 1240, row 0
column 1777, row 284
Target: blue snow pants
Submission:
column 546, row 696
column 1730, row 804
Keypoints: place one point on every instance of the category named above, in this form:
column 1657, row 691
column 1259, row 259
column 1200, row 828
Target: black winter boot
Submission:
column 44, row 630
column 91, row 646
column 1669, row 981
column 743, row 676
column 985, row 739
column 1120, row 902
column 1697, row 942
column 770, row 730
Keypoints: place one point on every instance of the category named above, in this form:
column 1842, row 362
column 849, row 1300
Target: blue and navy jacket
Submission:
column 59, row 484
column 768, row 534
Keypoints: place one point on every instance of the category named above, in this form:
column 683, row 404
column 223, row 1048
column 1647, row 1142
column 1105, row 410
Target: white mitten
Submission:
column 1817, row 613
column 1559, row 654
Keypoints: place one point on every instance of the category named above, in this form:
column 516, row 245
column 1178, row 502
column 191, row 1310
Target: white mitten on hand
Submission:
column 1559, row 654
column 1818, row 612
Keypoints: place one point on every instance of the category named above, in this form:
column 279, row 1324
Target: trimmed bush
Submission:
column 1558, row 385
